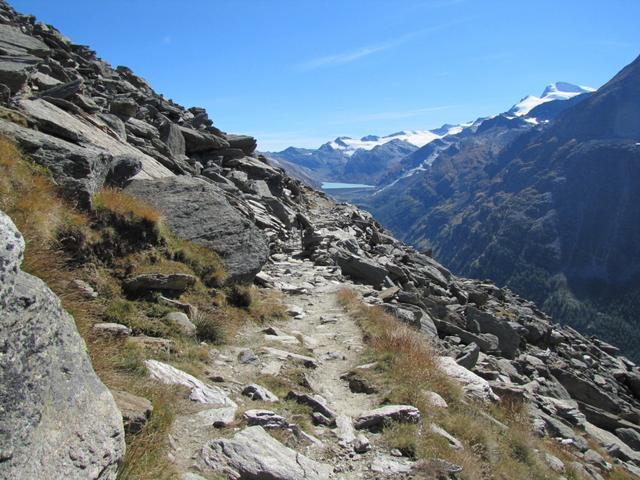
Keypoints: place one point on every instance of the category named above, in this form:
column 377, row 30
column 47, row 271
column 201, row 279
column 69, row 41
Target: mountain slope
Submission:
column 548, row 211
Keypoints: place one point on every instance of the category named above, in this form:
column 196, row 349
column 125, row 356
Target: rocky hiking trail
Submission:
column 319, row 344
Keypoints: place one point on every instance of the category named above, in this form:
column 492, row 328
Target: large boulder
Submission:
column 198, row 211
column 57, row 419
column 254, row 454
column 362, row 269
column 508, row 333
column 198, row 141
column 14, row 42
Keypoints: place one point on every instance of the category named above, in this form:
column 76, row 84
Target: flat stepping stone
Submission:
column 375, row 420
column 293, row 357
column 253, row 453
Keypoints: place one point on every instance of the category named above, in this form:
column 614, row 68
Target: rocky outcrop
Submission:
column 57, row 419
column 199, row 211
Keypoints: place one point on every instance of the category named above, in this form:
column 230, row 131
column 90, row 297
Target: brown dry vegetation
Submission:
column 63, row 244
column 407, row 367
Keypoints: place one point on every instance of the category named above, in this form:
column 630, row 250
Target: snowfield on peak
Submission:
column 555, row 91
column 419, row 138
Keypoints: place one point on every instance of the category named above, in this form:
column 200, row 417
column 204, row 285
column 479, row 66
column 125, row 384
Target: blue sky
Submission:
column 296, row 72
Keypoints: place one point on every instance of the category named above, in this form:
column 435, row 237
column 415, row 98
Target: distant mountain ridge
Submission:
column 381, row 160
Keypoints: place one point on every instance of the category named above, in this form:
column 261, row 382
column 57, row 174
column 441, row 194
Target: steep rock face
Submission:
column 56, row 418
column 546, row 211
column 198, row 211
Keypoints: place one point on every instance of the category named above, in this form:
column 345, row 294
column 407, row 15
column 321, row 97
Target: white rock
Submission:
column 294, row 357
column 473, row 386
column 182, row 321
column 435, row 400
column 265, row 418
column 253, row 453
column 111, row 329
column 218, row 417
column 200, row 392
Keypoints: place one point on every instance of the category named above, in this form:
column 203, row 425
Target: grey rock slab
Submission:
column 254, row 454
column 199, row 211
column 375, row 420
column 244, row 142
column 473, row 386
column 110, row 329
column 199, row 141
column 218, row 417
column 508, row 333
column 629, row 436
column 14, row 70
column 14, row 42
column 308, row 362
column 259, row 393
column 387, row 466
column 171, row 282
column 89, row 134
column 315, row 402
column 79, row 171
column 135, row 410
column 554, row 463
column 362, row 269
column 200, row 392
column 265, row 419
column 11, row 254
column 614, row 445
column 344, row 430
column 58, row 419
column 435, row 400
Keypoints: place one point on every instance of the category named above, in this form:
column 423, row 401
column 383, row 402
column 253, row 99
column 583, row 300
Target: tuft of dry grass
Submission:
column 127, row 206
column 407, row 366
column 407, row 357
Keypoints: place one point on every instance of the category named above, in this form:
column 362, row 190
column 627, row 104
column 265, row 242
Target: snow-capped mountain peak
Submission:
column 555, row 91
column 419, row 138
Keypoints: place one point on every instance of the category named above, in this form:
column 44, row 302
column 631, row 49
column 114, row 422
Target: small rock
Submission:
column 183, row 323
column 265, row 418
column 156, row 344
column 294, row 357
column 84, row 288
column 295, row 311
column 320, row 419
column 111, row 329
column 361, row 444
column 435, row 400
column 257, row 392
column 246, row 356
column 375, row 420
column 135, row 410
column 358, row 383
column 316, row 402
column 173, row 282
column 554, row 463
